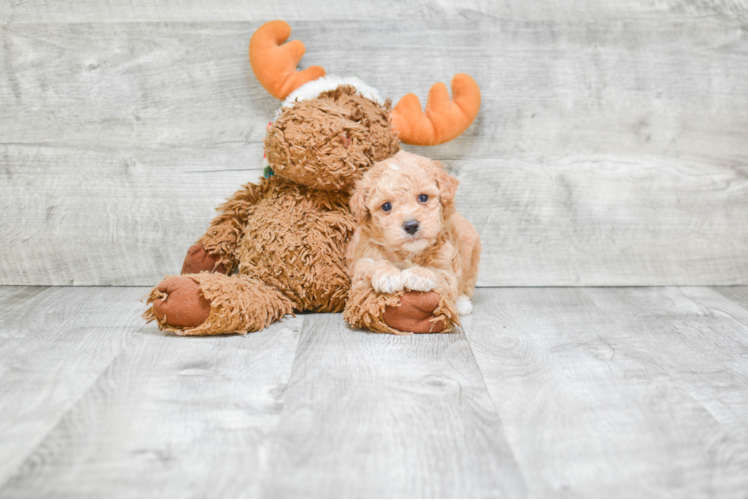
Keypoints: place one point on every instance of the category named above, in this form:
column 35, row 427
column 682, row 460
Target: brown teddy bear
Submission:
column 279, row 246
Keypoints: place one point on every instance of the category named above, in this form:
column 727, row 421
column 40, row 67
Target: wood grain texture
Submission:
column 171, row 417
column 618, row 392
column 607, row 220
column 87, row 11
column 371, row 415
column 702, row 342
column 103, row 224
column 79, row 11
column 648, row 86
column 561, row 392
column 737, row 294
column 120, row 131
column 54, row 345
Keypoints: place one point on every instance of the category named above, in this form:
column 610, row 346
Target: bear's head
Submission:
column 328, row 142
column 330, row 130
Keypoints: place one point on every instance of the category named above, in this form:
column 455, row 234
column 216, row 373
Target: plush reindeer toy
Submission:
column 279, row 246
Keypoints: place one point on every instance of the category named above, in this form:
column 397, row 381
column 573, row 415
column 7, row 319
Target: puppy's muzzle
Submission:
column 411, row 227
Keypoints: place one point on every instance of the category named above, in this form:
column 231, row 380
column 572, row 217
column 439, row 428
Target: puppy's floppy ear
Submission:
column 447, row 184
column 358, row 201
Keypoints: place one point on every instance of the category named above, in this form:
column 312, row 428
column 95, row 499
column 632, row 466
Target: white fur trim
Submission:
column 463, row 305
column 312, row 89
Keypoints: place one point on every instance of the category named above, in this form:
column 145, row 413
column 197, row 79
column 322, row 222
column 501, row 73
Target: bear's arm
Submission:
column 224, row 231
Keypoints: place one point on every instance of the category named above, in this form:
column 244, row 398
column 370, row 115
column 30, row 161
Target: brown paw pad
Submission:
column 415, row 313
column 199, row 260
column 184, row 305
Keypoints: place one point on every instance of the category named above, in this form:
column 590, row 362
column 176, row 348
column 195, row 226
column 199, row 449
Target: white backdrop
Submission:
column 611, row 147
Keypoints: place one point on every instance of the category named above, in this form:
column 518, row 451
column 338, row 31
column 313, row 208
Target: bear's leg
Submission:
column 400, row 313
column 198, row 260
column 215, row 304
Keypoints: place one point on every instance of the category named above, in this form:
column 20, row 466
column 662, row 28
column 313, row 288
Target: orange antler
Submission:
column 444, row 119
column 275, row 64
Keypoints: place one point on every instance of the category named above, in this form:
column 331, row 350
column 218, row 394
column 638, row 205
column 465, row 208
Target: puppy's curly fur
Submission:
column 409, row 235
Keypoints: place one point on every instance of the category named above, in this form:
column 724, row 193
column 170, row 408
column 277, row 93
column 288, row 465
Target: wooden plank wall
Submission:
column 611, row 148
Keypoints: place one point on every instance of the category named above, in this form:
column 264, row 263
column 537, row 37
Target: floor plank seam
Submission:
column 671, row 375
column 741, row 306
column 272, row 438
column 523, row 478
column 68, row 410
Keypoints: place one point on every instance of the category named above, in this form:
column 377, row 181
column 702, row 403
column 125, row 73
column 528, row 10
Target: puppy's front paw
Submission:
column 419, row 279
column 464, row 305
column 387, row 280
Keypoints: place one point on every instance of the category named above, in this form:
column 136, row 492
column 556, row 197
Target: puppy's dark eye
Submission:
column 387, row 207
column 423, row 198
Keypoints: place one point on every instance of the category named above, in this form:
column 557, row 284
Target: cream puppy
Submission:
column 409, row 235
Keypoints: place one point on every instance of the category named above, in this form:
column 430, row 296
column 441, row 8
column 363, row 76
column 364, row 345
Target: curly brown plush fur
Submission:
column 349, row 132
column 224, row 232
column 284, row 239
column 293, row 242
column 238, row 304
column 369, row 310
column 286, row 236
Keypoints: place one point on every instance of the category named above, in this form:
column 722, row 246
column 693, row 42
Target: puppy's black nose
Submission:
column 411, row 227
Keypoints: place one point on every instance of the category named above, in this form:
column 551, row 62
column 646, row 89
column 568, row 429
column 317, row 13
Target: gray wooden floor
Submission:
column 547, row 392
